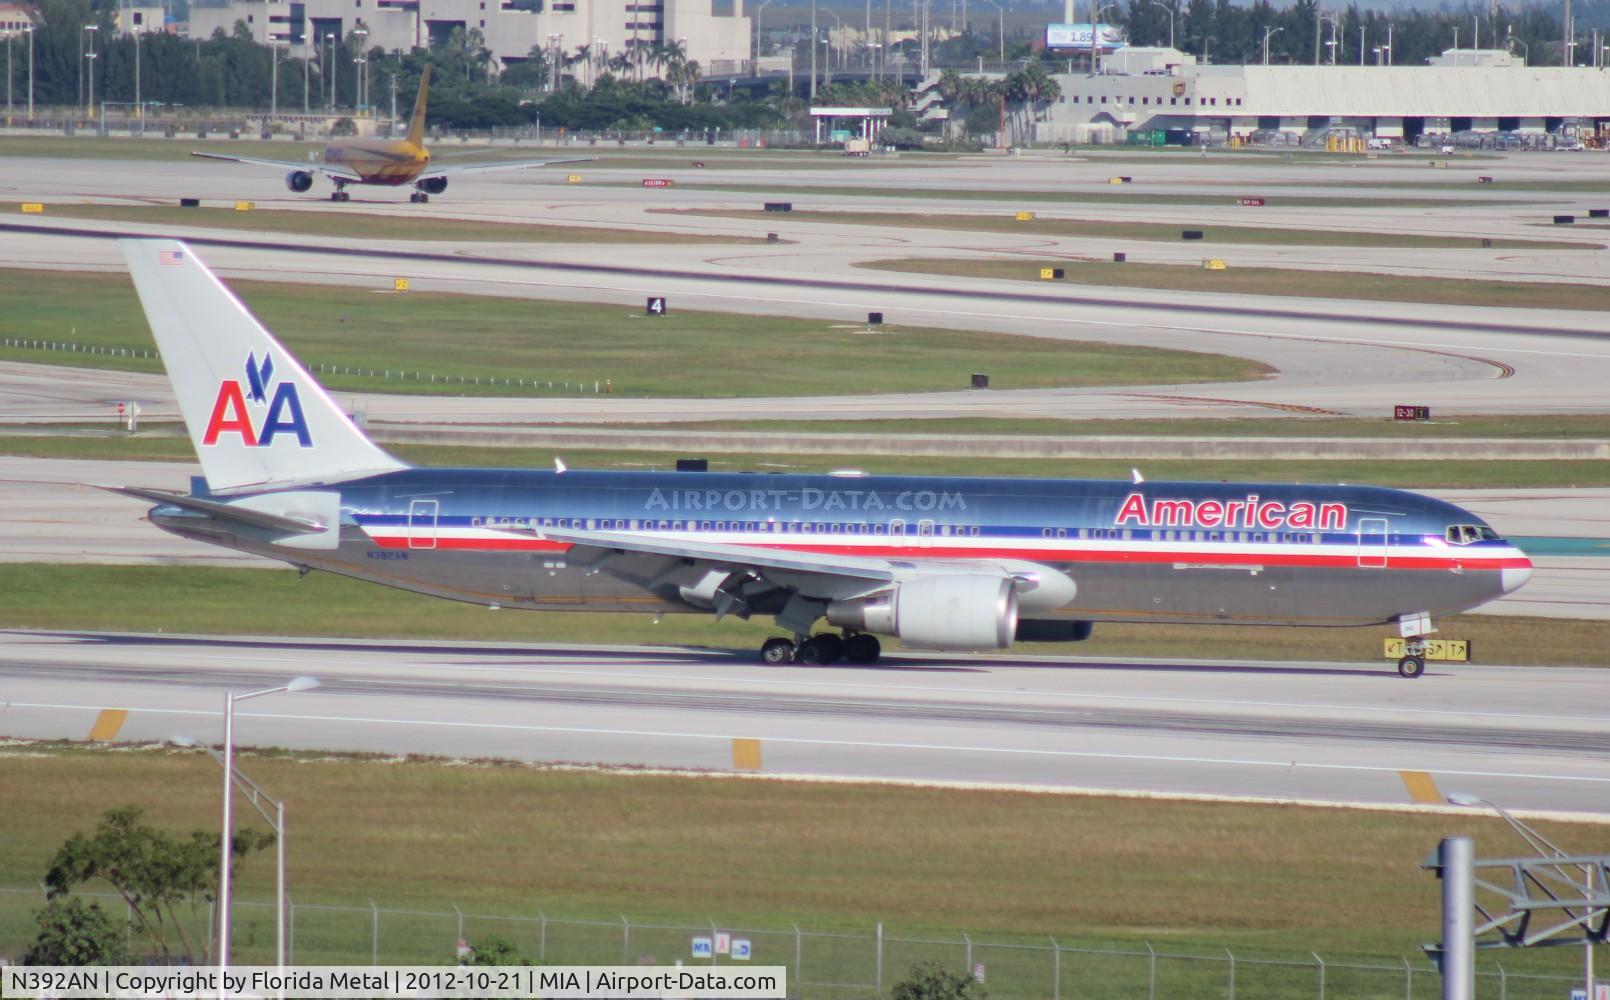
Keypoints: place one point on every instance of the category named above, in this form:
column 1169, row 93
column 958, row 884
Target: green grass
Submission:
column 1237, row 280
column 925, row 862
column 1154, row 231
column 1218, row 193
column 195, row 599
column 686, row 353
column 367, row 225
column 1450, row 425
column 1401, row 474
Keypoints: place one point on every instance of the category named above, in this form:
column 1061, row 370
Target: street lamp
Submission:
column 362, row 35
column 1332, row 43
column 30, row 30
column 1361, row 45
column 256, row 796
column 139, row 108
column 838, row 26
column 1546, row 848
column 1267, row 34
column 90, row 92
column 1095, row 32
column 760, row 32
column 230, row 697
column 1171, row 13
column 1000, row 28
column 335, row 71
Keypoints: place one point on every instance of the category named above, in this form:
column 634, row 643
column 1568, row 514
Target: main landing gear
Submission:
column 822, row 649
column 419, row 197
column 340, row 193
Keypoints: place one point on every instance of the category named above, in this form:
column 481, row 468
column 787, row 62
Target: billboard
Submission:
column 1077, row 36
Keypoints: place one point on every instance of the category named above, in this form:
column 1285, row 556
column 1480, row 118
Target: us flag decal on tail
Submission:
column 170, row 257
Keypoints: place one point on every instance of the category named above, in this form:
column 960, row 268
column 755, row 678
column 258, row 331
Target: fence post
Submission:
column 1227, row 951
column 128, row 926
column 1503, row 982
column 967, row 966
column 877, row 968
column 798, row 955
column 712, row 941
column 290, row 931
column 1151, row 972
column 460, row 921
column 1321, row 962
column 374, row 941
column 542, row 939
column 1056, row 970
column 626, row 940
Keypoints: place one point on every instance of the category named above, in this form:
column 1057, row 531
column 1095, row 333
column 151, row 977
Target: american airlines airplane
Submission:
column 386, row 162
column 942, row 563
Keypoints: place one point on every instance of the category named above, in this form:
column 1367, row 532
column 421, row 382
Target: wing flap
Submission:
column 345, row 173
column 731, row 556
column 471, row 168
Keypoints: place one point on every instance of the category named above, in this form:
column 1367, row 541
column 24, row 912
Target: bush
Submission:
column 901, row 138
column 932, row 981
column 72, row 933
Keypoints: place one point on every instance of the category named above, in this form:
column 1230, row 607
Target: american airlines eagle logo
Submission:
column 238, row 405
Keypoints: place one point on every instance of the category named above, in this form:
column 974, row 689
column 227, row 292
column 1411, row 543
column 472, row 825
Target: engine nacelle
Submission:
column 299, row 180
column 433, row 185
column 1052, row 630
column 958, row 612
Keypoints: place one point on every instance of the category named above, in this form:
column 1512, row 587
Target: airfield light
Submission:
column 90, row 106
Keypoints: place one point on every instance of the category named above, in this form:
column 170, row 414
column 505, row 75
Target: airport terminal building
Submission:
column 512, row 28
column 1460, row 91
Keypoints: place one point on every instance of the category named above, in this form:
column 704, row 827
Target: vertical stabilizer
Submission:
column 416, row 124
column 255, row 415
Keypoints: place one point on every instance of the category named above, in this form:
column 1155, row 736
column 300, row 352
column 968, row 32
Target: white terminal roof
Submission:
column 852, row 112
column 1409, row 91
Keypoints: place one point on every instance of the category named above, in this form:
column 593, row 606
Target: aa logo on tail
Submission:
column 232, row 411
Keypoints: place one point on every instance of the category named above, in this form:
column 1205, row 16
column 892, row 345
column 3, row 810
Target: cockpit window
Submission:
column 1467, row 534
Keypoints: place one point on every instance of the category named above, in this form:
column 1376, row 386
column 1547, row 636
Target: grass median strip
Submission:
column 1401, row 474
column 504, row 839
column 368, row 225
column 566, row 347
column 1215, row 193
column 1271, row 281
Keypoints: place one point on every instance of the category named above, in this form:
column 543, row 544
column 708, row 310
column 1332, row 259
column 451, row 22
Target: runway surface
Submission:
column 1536, row 739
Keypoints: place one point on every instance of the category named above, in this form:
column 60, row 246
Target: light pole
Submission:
column 30, row 30
column 1389, row 43
column 1171, row 12
column 1000, row 27
column 813, row 50
column 1267, row 34
column 225, row 852
column 306, row 66
column 335, row 72
column 256, row 796
column 139, row 107
column 90, row 91
column 1332, row 43
column 1546, row 848
column 274, row 79
column 839, row 27
column 1361, row 45
column 760, row 32
column 362, row 35
column 1095, row 32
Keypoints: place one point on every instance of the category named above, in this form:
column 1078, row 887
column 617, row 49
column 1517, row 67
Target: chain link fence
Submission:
column 860, row 965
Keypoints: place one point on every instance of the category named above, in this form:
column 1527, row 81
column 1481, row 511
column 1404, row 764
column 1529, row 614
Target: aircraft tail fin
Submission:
column 255, row 415
column 416, row 124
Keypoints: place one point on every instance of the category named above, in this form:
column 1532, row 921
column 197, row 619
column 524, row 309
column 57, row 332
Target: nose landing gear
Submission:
column 1413, row 663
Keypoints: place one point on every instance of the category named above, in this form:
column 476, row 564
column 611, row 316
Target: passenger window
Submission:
column 1061, row 533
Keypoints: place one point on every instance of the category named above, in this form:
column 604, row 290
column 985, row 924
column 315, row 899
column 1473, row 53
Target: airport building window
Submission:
column 1187, row 104
column 1171, row 101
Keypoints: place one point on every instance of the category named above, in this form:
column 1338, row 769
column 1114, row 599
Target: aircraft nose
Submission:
column 1513, row 578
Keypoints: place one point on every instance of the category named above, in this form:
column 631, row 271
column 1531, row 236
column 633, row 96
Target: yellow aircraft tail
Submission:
column 416, row 125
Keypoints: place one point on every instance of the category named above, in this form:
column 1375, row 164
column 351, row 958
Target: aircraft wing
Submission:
column 468, row 168
column 734, row 557
column 345, row 173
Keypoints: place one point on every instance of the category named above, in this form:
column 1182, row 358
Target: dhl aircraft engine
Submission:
column 959, row 612
column 299, row 180
column 433, row 185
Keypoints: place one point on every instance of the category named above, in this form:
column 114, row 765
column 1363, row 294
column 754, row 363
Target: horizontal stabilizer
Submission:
column 225, row 511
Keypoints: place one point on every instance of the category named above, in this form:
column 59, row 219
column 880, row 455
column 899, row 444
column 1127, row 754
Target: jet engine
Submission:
column 433, row 185
column 961, row 612
column 299, row 180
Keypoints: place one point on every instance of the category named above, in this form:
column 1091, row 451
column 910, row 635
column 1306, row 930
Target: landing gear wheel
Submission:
column 335, row 195
column 820, row 650
column 862, row 648
column 423, row 197
column 1412, row 666
column 414, row 197
column 777, row 651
